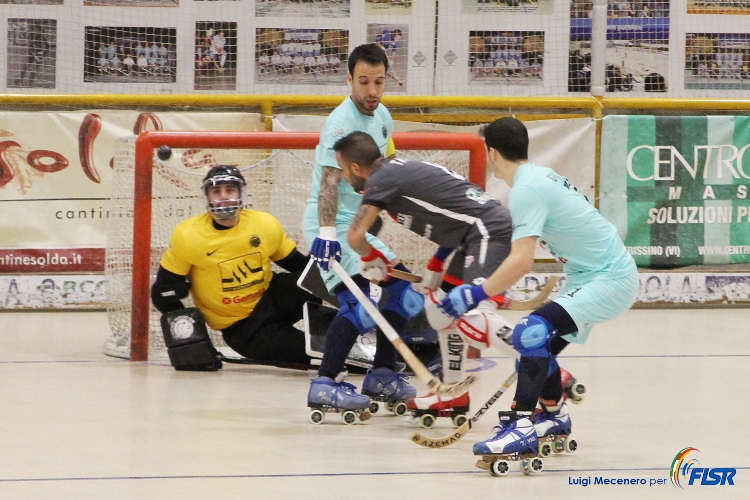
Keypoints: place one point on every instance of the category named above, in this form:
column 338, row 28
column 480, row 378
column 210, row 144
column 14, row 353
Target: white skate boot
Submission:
column 553, row 431
column 516, row 440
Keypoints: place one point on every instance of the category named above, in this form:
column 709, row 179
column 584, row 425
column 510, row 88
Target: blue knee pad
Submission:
column 531, row 336
column 403, row 300
column 351, row 309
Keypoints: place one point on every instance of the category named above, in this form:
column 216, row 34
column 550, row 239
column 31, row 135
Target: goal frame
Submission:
column 147, row 142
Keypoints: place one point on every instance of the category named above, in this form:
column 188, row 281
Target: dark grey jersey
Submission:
column 432, row 201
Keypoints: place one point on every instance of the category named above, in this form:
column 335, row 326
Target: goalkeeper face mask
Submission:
column 223, row 203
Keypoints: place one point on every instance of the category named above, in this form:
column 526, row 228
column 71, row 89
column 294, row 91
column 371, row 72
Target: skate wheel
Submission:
column 570, row 445
column 374, row 407
column 426, row 420
column 559, row 446
column 499, row 468
column 349, row 417
column 532, row 465
column 317, row 416
column 459, row 420
column 578, row 391
column 545, row 449
column 399, row 409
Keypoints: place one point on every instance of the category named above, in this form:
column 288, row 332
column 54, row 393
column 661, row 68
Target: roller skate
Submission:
column 553, row 431
column 427, row 408
column 336, row 396
column 515, row 440
column 572, row 389
column 388, row 387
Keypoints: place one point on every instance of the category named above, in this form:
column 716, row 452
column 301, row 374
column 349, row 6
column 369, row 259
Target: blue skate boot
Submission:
column 553, row 431
column 515, row 440
column 336, row 396
column 384, row 385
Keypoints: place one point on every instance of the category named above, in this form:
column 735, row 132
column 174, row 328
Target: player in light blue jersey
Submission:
column 601, row 283
column 329, row 212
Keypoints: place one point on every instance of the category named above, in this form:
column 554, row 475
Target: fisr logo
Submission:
column 686, row 467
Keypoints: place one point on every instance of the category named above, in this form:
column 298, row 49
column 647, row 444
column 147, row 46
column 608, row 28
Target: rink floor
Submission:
column 79, row 424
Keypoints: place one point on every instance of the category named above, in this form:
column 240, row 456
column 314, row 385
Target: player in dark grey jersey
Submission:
column 445, row 208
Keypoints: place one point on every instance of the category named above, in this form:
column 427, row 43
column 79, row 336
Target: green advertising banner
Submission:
column 677, row 188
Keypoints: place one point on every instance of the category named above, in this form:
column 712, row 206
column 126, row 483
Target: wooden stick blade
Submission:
column 443, row 441
column 463, row 429
column 541, row 297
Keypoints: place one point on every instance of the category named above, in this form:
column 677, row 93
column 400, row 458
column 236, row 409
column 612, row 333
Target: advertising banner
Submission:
column 677, row 187
column 55, row 180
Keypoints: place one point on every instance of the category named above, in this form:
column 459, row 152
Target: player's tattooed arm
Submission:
column 328, row 196
column 363, row 220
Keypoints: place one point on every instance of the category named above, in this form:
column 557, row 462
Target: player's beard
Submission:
column 369, row 105
column 358, row 183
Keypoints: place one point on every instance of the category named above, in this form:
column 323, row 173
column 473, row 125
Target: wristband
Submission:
column 327, row 232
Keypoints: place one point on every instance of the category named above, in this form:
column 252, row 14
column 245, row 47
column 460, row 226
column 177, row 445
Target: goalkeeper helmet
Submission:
column 224, row 174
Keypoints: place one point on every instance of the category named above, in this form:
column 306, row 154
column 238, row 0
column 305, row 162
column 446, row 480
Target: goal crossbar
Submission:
column 147, row 142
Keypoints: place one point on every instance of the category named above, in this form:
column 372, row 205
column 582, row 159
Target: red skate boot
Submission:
column 573, row 390
column 427, row 408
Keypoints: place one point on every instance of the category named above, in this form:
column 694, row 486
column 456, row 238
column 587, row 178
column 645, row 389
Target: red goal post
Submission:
column 148, row 142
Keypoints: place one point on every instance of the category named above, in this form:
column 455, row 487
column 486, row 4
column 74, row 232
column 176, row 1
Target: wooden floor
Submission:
column 77, row 424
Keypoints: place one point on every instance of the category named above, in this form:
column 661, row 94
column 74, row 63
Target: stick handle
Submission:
column 420, row 370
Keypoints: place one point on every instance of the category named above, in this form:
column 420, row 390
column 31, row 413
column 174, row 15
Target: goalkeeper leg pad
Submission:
column 186, row 338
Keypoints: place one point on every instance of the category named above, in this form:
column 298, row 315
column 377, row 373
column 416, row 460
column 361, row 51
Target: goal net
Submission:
column 150, row 197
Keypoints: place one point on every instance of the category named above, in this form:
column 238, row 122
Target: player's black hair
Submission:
column 509, row 137
column 359, row 148
column 370, row 53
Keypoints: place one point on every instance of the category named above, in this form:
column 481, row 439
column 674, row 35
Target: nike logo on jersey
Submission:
column 211, row 253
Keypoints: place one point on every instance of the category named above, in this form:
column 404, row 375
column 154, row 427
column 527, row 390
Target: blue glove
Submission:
column 325, row 247
column 462, row 299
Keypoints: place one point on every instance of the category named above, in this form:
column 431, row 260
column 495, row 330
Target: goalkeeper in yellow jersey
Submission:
column 223, row 259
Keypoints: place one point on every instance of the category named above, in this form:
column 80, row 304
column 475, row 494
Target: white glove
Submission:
column 432, row 276
column 374, row 266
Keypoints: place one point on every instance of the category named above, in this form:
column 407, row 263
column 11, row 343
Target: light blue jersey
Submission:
column 601, row 276
column 543, row 203
column 343, row 120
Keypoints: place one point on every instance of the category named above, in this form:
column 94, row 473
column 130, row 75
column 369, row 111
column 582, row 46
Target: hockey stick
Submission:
column 461, row 431
column 420, row 371
column 514, row 305
column 541, row 297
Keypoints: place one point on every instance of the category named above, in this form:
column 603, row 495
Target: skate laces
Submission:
column 345, row 387
column 399, row 380
column 501, row 429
